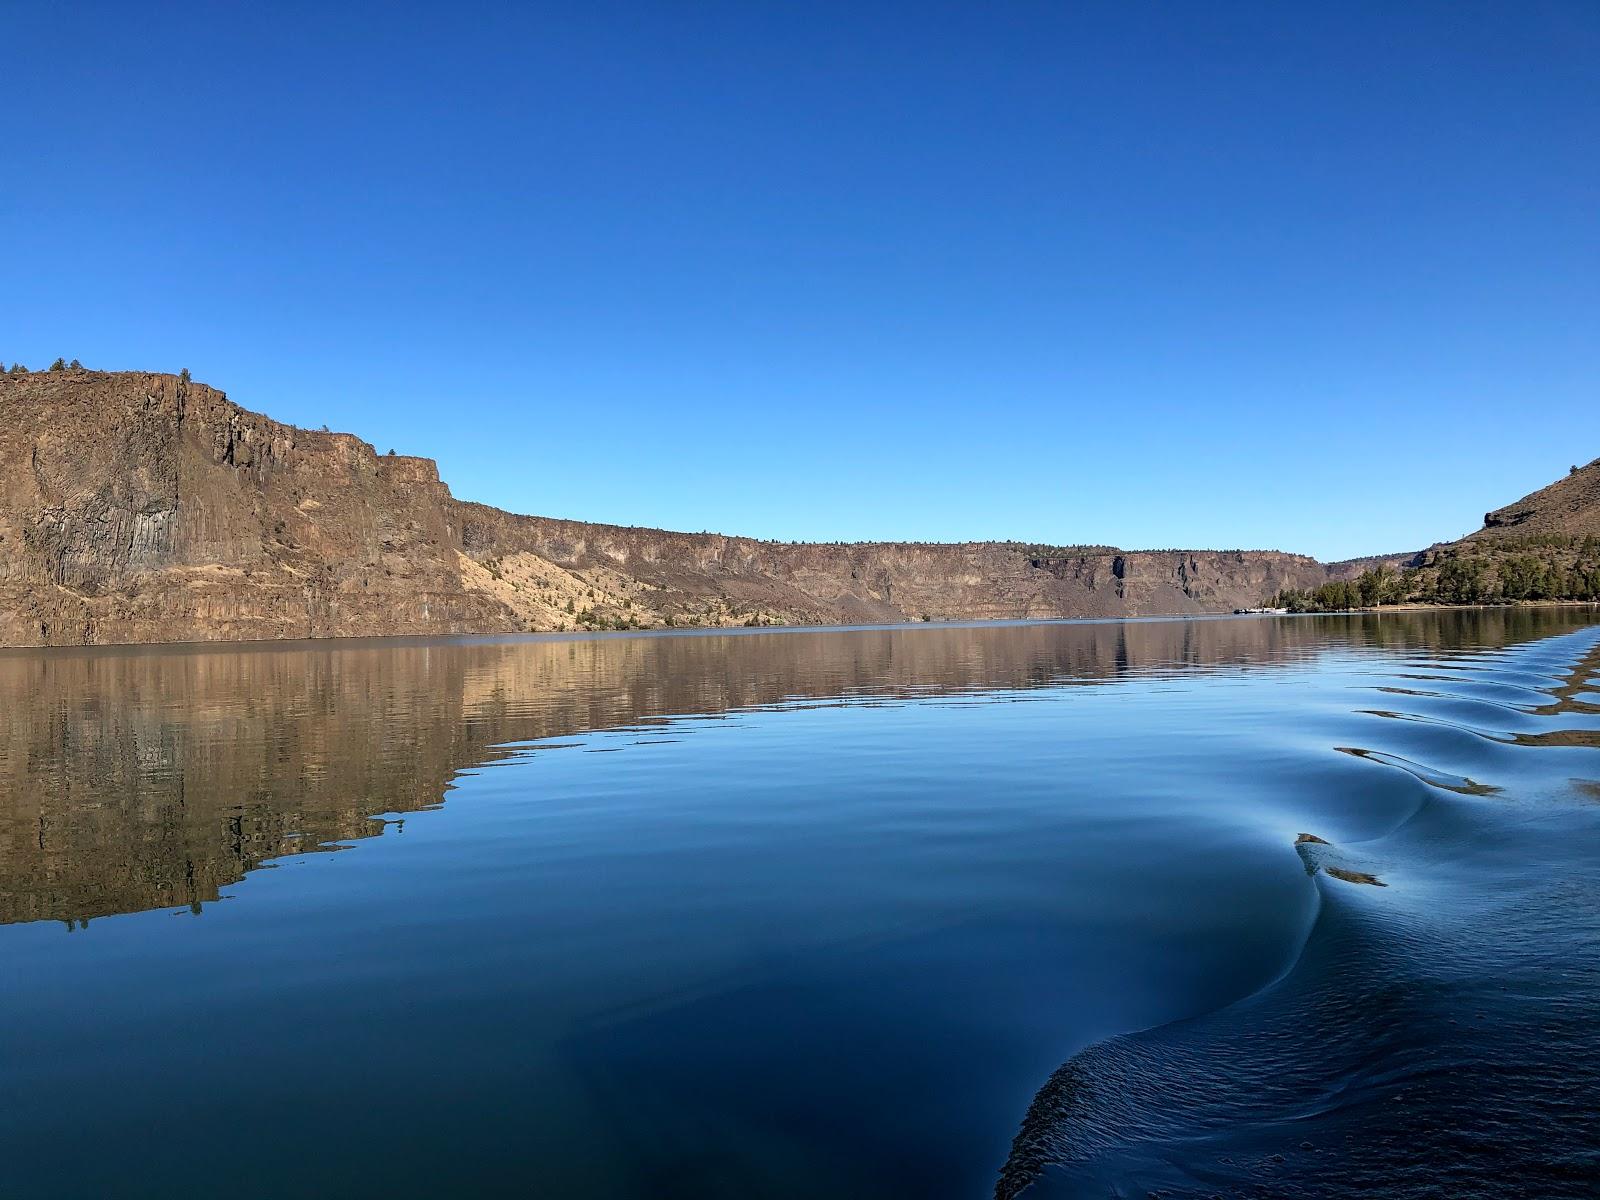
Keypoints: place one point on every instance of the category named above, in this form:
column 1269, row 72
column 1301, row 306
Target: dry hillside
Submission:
column 1569, row 507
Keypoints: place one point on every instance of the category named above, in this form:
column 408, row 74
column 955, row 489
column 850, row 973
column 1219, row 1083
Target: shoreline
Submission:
column 583, row 635
column 374, row 641
column 1420, row 606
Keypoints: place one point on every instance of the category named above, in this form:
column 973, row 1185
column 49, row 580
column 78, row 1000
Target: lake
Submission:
column 1302, row 906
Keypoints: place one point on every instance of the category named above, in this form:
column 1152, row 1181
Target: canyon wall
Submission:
column 146, row 508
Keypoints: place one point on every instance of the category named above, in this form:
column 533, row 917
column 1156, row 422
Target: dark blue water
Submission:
column 1307, row 906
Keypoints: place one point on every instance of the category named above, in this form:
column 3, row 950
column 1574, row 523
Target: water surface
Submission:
column 1242, row 906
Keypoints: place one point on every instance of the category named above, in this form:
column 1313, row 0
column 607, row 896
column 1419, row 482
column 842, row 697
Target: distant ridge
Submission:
column 140, row 507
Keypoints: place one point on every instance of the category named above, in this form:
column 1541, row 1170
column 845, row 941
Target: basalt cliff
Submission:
column 142, row 507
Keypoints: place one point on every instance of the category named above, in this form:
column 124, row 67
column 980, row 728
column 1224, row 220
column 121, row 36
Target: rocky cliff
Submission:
column 145, row 508
column 137, row 508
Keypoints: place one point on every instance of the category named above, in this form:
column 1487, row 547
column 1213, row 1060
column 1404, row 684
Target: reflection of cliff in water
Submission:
column 139, row 779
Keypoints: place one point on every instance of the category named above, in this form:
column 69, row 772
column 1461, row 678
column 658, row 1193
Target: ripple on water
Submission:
column 1431, row 776
column 1438, row 1043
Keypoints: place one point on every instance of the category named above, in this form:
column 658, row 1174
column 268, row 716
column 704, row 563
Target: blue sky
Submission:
column 1321, row 278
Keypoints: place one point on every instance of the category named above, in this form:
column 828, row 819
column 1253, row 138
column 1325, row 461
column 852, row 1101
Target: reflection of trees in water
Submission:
column 147, row 778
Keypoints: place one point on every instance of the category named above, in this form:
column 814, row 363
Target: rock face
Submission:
column 138, row 508
column 712, row 579
column 145, row 508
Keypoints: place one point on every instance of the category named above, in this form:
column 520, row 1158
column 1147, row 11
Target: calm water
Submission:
column 923, row 912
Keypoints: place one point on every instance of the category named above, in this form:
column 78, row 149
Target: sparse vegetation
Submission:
column 1534, row 569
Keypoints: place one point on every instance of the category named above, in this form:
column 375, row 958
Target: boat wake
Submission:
column 1435, row 1035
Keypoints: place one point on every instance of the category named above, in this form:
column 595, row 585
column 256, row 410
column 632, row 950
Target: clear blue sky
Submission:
column 1323, row 278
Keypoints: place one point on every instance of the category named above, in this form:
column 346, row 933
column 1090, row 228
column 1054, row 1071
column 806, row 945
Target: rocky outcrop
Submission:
column 145, row 508
column 138, row 508
column 1567, row 508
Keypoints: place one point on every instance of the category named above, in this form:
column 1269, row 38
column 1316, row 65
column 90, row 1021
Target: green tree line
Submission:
column 1554, row 569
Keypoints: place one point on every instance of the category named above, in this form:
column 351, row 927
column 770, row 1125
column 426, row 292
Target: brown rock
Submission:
column 144, row 508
